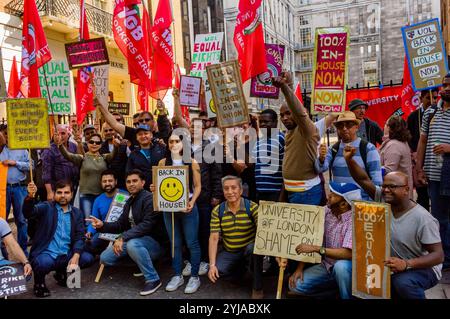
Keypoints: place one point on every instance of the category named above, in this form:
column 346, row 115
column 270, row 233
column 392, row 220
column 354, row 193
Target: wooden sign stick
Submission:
column 173, row 235
column 102, row 267
column 280, row 281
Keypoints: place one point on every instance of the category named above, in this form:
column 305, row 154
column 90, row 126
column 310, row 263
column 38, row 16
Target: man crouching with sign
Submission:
column 58, row 242
column 335, row 271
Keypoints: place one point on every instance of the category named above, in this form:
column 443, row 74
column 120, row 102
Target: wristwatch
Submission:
column 322, row 251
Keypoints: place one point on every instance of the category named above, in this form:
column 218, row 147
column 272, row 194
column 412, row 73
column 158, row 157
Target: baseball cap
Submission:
column 348, row 191
column 355, row 103
column 142, row 128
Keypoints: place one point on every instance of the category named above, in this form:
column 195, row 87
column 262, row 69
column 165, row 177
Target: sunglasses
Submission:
column 348, row 125
column 95, row 142
column 111, row 130
column 392, row 187
column 145, row 120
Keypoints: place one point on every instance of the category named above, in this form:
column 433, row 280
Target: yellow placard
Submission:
column 3, row 177
column 28, row 125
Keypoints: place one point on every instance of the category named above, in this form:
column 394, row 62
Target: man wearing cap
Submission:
column 368, row 129
column 146, row 155
column 367, row 155
column 335, row 271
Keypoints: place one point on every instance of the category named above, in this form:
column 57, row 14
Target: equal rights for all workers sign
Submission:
column 426, row 55
column 371, row 247
column 228, row 94
column 282, row 227
column 28, row 126
column 171, row 188
column 330, row 70
column 56, row 76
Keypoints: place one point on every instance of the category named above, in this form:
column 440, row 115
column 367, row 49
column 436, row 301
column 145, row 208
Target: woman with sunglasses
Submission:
column 91, row 164
column 185, row 223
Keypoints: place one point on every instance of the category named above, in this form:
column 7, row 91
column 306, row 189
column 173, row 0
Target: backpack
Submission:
column 431, row 117
column 247, row 209
column 362, row 151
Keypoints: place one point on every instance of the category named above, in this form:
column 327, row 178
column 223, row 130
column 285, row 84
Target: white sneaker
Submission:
column 204, row 268
column 192, row 286
column 175, row 283
column 187, row 269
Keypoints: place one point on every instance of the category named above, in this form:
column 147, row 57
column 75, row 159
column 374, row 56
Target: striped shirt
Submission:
column 238, row 230
column 438, row 133
column 268, row 154
column 340, row 170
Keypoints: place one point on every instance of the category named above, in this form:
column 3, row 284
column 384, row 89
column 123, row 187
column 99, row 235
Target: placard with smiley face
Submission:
column 171, row 188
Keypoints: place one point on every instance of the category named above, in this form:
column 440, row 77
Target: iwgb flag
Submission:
column 143, row 92
column 85, row 90
column 130, row 38
column 162, row 64
column 410, row 99
column 249, row 39
column 35, row 51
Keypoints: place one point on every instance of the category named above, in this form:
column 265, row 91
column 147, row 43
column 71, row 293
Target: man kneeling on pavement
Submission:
column 58, row 241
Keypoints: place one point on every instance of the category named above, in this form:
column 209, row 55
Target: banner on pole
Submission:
column 114, row 213
column 207, row 51
column 171, row 188
column 261, row 85
column 371, row 247
column 228, row 94
column 28, row 126
column 330, row 75
column 190, row 87
column 426, row 55
column 87, row 53
column 58, row 81
column 282, row 227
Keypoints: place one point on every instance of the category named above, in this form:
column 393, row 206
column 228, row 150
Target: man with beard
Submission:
column 433, row 162
column 94, row 244
column 416, row 249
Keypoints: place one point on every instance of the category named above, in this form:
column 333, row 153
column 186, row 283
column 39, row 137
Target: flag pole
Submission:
column 31, row 164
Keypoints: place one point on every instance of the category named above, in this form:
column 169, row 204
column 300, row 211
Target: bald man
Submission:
column 416, row 248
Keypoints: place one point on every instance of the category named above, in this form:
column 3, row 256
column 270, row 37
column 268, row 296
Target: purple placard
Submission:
column 261, row 85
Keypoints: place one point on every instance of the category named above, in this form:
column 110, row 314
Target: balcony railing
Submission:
column 68, row 12
column 302, row 46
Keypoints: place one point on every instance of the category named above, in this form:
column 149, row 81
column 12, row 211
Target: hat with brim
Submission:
column 355, row 103
column 347, row 116
column 142, row 128
column 348, row 191
column 89, row 127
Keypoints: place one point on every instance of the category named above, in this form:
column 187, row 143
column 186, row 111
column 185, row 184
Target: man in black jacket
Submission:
column 140, row 228
column 58, row 241
column 368, row 129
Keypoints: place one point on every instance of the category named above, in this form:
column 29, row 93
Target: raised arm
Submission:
column 359, row 174
column 177, row 109
column 109, row 118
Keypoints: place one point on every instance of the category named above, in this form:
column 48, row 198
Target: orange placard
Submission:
column 371, row 247
column 3, row 178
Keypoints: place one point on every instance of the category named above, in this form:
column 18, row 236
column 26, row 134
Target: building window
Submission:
column 305, row 36
column 306, row 59
column 306, row 79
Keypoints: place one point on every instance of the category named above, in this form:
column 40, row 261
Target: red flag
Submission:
column 410, row 100
column 162, row 64
column 130, row 38
column 143, row 97
column 249, row 39
column 143, row 92
column 85, row 90
column 298, row 93
column 14, row 82
column 35, row 51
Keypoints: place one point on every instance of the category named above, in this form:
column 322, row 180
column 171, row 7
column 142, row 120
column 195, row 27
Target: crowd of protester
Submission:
column 218, row 227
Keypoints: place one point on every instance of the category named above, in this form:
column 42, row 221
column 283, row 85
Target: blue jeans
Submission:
column 309, row 197
column 96, row 246
column 15, row 196
column 232, row 264
column 141, row 250
column 316, row 279
column 204, row 221
column 44, row 263
column 86, row 203
column 440, row 209
column 412, row 284
column 188, row 225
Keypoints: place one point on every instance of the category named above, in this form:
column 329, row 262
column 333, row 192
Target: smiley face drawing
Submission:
column 171, row 189
column 212, row 106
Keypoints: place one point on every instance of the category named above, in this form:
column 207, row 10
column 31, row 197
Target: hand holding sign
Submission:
column 32, row 189
column 95, row 222
column 27, row 270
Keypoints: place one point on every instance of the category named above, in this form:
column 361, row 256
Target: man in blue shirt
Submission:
column 58, row 241
column 18, row 165
column 95, row 245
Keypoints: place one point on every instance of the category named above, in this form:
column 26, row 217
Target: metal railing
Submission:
column 68, row 12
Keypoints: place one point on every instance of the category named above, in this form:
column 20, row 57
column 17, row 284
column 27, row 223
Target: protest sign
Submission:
column 330, row 70
column 426, row 55
column 87, row 53
column 3, row 185
column 119, row 107
column 28, row 126
column 261, row 86
column 101, row 80
column 12, row 280
column 171, row 188
column 56, row 75
column 190, row 90
column 383, row 103
column 371, row 247
column 207, row 51
column 282, row 227
column 114, row 212
column 228, row 94
column 3, row 88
